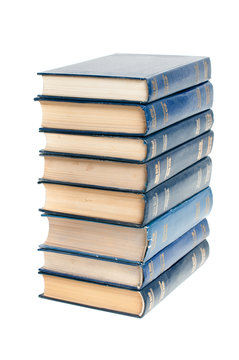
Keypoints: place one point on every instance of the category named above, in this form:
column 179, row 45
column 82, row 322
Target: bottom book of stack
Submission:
column 119, row 286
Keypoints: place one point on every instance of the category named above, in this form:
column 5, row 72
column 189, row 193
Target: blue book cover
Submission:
column 158, row 234
column 148, row 271
column 168, row 227
column 156, row 144
column 157, row 75
column 158, row 114
column 178, row 133
column 157, row 170
column 177, row 189
column 150, row 295
column 172, row 162
column 162, row 286
column 155, row 202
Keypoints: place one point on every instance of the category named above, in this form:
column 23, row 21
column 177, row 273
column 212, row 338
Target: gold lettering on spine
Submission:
column 162, row 262
column 169, row 165
column 197, row 132
column 200, row 149
column 199, row 179
column 208, row 204
column 162, row 290
column 153, row 117
column 151, row 298
column 165, row 232
column 209, row 144
column 208, row 173
column 155, row 204
column 154, row 87
column 151, row 270
column 197, row 210
column 203, row 254
column 208, row 122
column 207, row 89
column 194, row 235
column 165, row 142
column 197, row 78
column 154, row 240
column 165, row 112
column 154, row 148
column 204, row 231
column 157, row 172
column 194, row 262
column 199, row 98
column 166, row 86
column 166, row 198
column 205, row 64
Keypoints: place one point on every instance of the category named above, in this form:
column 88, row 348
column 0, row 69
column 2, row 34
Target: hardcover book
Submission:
column 73, row 169
column 126, row 243
column 135, row 149
column 123, row 300
column 126, row 178
column 126, row 207
column 127, row 77
column 122, row 273
column 84, row 116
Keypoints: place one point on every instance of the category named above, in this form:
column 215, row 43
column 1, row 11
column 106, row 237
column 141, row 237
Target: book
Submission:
column 127, row 77
column 126, row 207
column 124, row 118
column 121, row 273
column 127, row 243
column 74, row 169
column 137, row 149
column 123, row 300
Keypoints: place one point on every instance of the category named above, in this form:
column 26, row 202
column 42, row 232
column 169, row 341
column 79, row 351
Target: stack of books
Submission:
column 127, row 178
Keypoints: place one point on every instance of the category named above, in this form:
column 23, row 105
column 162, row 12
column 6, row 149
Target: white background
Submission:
column 200, row 319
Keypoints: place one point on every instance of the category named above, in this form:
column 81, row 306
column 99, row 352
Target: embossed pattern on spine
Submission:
column 178, row 79
column 170, row 226
column 175, row 190
column 172, row 162
column 165, row 283
column 174, row 108
column 177, row 134
column 174, row 251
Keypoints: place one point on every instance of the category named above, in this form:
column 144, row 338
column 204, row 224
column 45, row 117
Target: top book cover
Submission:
column 127, row 77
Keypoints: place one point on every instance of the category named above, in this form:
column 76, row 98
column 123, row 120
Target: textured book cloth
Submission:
column 122, row 300
column 126, row 207
column 153, row 76
column 125, row 118
column 118, row 272
column 127, row 148
column 127, row 243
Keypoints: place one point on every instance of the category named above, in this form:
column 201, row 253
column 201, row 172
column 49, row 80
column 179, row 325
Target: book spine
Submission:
column 178, row 79
column 164, row 284
column 174, row 135
column 173, row 252
column 174, row 108
column 177, row 189
column 172, row 162
column 170, row 226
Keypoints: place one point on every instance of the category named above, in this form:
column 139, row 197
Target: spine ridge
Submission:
column 177, row 134
column 174, row 108
column 167, row 228
column 172, row 162
column 177, row 79
column 165, row 258
column 177, row 189
column 164, row 284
